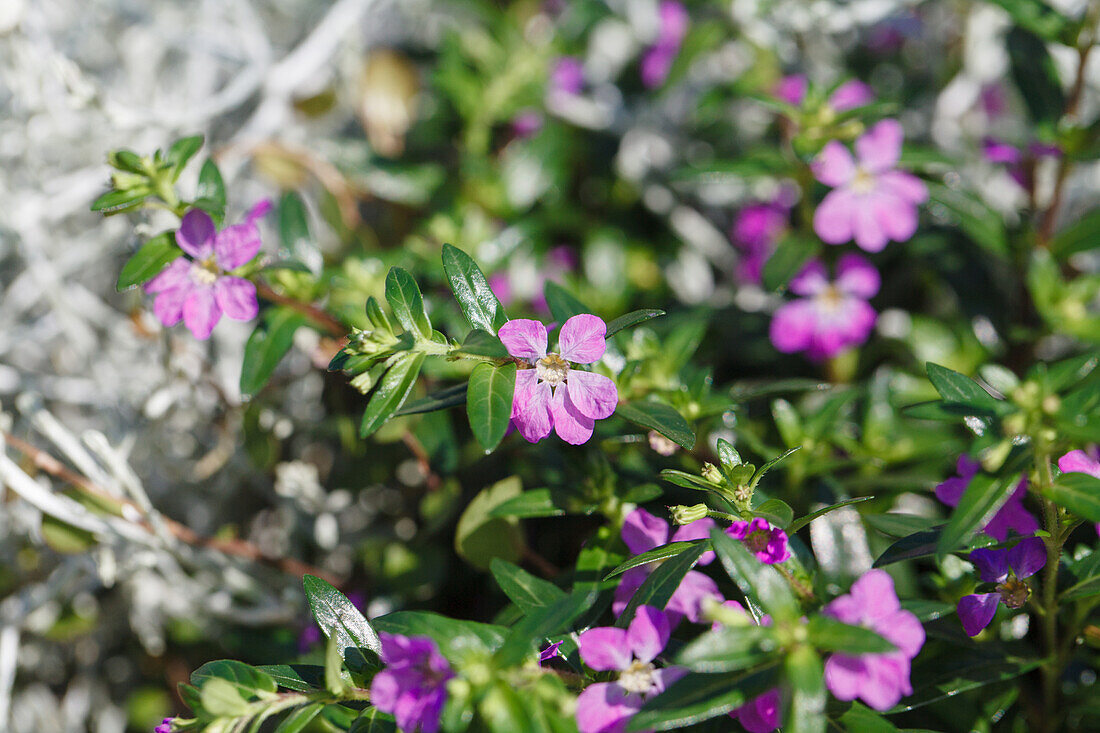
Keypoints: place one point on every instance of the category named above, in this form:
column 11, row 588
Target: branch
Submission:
column 318, row 316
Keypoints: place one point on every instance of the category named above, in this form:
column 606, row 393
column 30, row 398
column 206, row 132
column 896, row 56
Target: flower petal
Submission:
column 834, row 216
column 1028, row 557
column 810, row 280
column 605, row 648
column 992, row 564
column 643, row 532
column 896, row 216
column 902, row 629
column 905, row 186
column 605, row 707
column 177, row 274
column 761, row 714
column 237, row 245
column 834, row 166
column 792, row 326
column 648, row 633
column 168, row 305
column 582, row 339
column 690, row 596
column 593, row 394
column 697, row 530
column 236, row 297
column 874, row 592
column 951, row 490
column 845, row 675
column 867, row 228
column 196, row 233
column 856, row 276
column 849, row 95
column 524, row 338
column 531, row 407
column 259, row 210
column 1078, row 461
column 629, row 584
column 201, row 312
column 792, row 89
column 976, row 611
column 570, row 425
column 879, row 148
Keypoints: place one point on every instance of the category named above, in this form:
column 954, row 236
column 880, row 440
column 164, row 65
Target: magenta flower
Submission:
column 768, row 543
column 1078, row 461
column 673, row 25
column 526, row 123
column 881, row 680
column 1020, row 162
column 1011, row 516
column 871, row 202
column 643, row 532
column 551, row 651
column 413, row 686
column 762, row 713
column 197, row 288
column 1006, row 568
column 605, row 707
column 549, row 393
column 567, row 76
column 830, row 317
column 755, row 231
column 849, row 95
column 165, row 726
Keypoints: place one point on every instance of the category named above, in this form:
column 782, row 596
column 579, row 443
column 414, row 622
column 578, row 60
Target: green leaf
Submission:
column 790, row 256
column 392, row 391
column 296, row 677
column 759, row 582
column 830, row 635
column 403, row 295
column 483, row 343
column 1068, row 372
column 248, row 681
column 127, row 160
column 489, row 402
column 373, row 720
column 1039, row 18
column 148, row 261
column 662, row 583
column 632, row 319
column 267, row 346
column 864, row 719
column 1079, row 236
column 897, row 524
column 522, row 588
column 1085, row 588
column 959, row 389
column 659, row 553
column 441, row 400
column 943, row 678
column 65, row 538
column 294, row 231
column 806, row 677
column 803, row 521
column 339, row 618
column 661, row 417
column 114, row 202
column 975, row 218
column 480, row 537
column 220, row 698
column 763, row 470
column 943, row 411
column 533, row 503
column 1036, row 76
column 299, row 719
column 562, row 304
column 540, row 623
column 450, row 634
column 183, row 150
column 776, row 511
column 697, row 697
column 478, row 301
column 730, row 648
column 334, row 668
column 504, row 710
column 688, row 480
column 210, row 196
column 1079, row 493
column 979, row 503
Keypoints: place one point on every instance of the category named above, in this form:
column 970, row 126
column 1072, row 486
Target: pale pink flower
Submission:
column 673, row 22
column 1078, row 461
column 853, row 93
column 871, row 202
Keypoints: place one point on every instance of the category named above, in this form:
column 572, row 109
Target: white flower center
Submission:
column 830, row 298
column 205, row 272
column 638, row 677
column 862, row 182
column 552, row 369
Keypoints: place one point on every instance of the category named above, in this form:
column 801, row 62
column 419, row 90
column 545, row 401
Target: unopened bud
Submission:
column 1051, row 404
column 1016, row 424
column 687, row 514
column 711, row 473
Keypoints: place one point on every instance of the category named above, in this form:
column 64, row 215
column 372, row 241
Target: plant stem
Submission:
column 1052, row 667
column 318, row 316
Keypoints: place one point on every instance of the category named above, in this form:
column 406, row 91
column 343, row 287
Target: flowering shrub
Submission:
column 627, row 371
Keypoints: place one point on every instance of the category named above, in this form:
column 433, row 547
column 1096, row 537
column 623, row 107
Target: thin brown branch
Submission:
column 317, row 315
column 431, row 478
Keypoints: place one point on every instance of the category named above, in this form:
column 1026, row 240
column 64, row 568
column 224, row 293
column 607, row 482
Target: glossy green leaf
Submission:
column 523, row 589
column 550, row 619
column 1036, row 75
column 759, row 582
column 181, row 152
column 688, row 480
column 483, row 343
column 803, row 521
column 294, row 232
column 632, row 319
column 296, row 677
column 148, row 261
column 563, row 305
column 373, row 720
column 699, row 696
column 896, row 524
column 480, row 537
column 830, row 635
column 979, row 503
column 114, row 202
column 959, row 389
column 981, row 223
column 471, row 289
column 210, row 195
column 529, row 504
column 392, row 391
column 864, row 719
column 249, row 681
column 658, row 416
column 658, row 553
column 339, row 618
column 448, row 633
column 776, row 511
column 730, row 648
column 489, row 402
column 403, row 295
column 763, row 470
column 662, row 583
column 220, row 698
column 1079, row 493
column 266, row 347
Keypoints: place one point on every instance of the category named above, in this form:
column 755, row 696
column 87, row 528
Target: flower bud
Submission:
column 687, row 514
column 711, row 473
column 1051, row 404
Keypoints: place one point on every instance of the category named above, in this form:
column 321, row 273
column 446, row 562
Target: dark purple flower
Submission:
column 831, row 316
column 673, row 24
column 165, row 726
column 567, row 76
column 760, row 714
column 755, row 231
column 197, row 288
column 605, row 707
column 413, row 686
column 881, row 680
column 1011, row 516
column 643, row 532
column 768, row 543
column 1006, row 568
column 551, row 651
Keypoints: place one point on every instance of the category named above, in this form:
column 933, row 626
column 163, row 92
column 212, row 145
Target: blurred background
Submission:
column 562, row 140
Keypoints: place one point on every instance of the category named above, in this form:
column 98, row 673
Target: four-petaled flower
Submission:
column 870, row 202
column 831, row 316
column 672, row 20
column 643, row 532
column 768, row 543
column 197, row 288
column 605, row 707
column 413, row 686
column 1010, row 516
column 879, row 679
column 1006, row 568
column 549, row 393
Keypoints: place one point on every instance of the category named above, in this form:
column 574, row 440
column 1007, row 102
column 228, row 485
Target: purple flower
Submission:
column 1078, row 461
column 643, row 532
column 413, row 686
column 605, row 707
column 871, row 202
column 1010, row 516
column 881, row 680
column 760, row 714
column 526, row 123
column 830, row 317
column 849, row 95
column 673, row 21
column 551, row 651
column 996, row 566
column 755, row 231
column 567, row 76
column 1018, row 161
column 165, row 726
column 551, row 395
column 197, row 288
column 792, row 89
column 768, row 543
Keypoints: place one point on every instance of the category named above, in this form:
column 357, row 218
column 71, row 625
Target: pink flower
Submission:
column 881, row 680
column 755, row 231
column 870, row 201
column 549, row 393
column 995, row 566
column 197, row 288
column 1011, row 516
column 567, row 77
column 1078, row 461
column 643, row 532
column 760, row 714
column 605, row 707
column 526, row 123
column 849, row 95
column 830, row 317
column 1020, row 162
column 165, row 726
column 673, row 24
column 413, row 686
column 768, row 543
